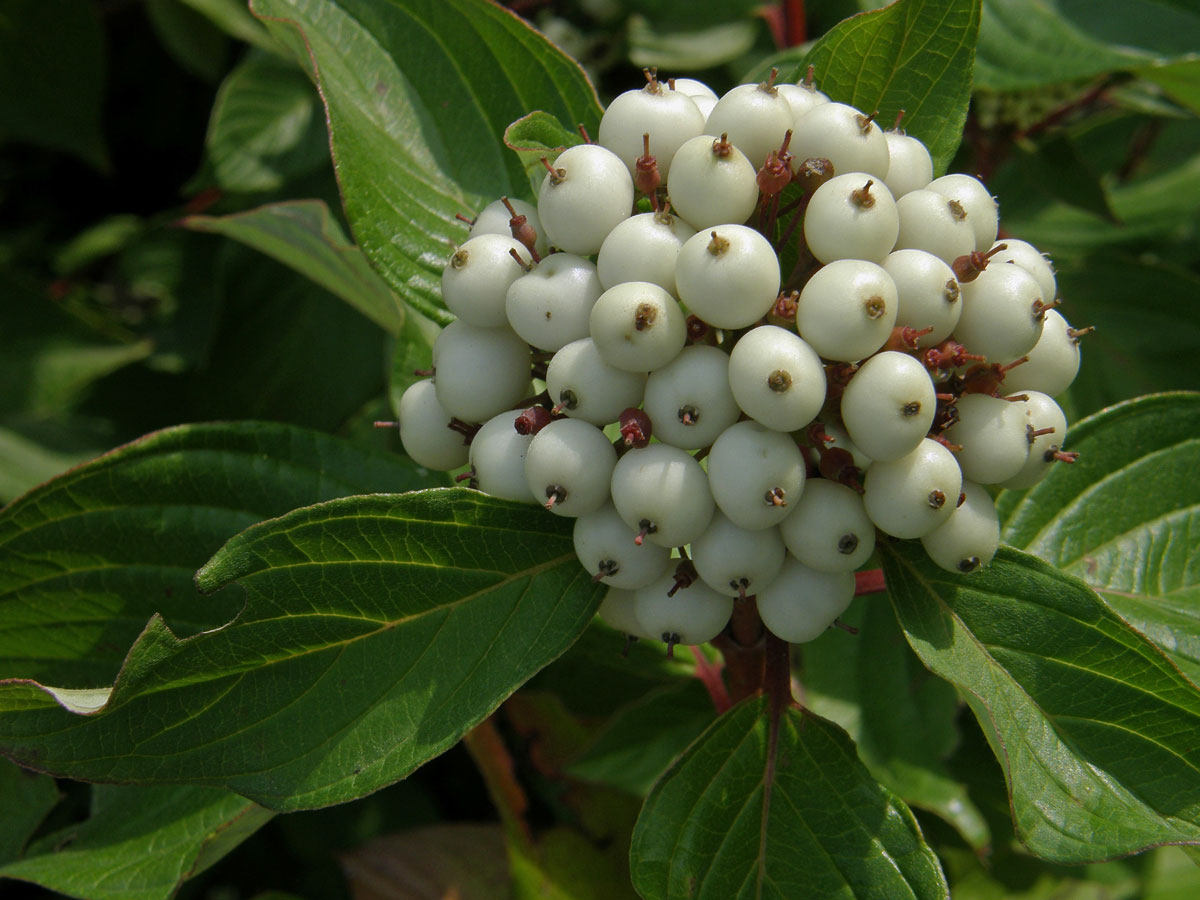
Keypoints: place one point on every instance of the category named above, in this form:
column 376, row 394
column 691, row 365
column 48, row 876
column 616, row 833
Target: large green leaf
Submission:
column 25, row 798
column 304, row 235
column 87, row 559
column 900, row 717
column 418, row 95
column 266, row 127
column 1031, row 43
column 1093, row 726
column 52, row 72
column 774, row 811
column 376, row 630
column 140, row 843
column 914, row 55
column 1124, row 518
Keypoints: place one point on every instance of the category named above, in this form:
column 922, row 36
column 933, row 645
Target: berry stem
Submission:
column 709, row 674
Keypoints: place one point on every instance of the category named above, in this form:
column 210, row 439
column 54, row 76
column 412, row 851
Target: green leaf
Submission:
column 233, row 17
column 1092, row 725
column 25, row 463
column 537, row 136
column 194, row 42
column 1123, row 518
column 52, row 73
column 285, row 349
column 641, row 740
column 49, row 358
column 1066, row 175
column 376, row 630
column 748, row 813
column 1030, row 43
column 266, row 127
column 460, row 860
column 304, row 235
column 914, row 55
column 418, row 95
column 25, row 798
column 900, row 717
column 1180, row 80
column 140, row 843
column 88, row 558
column 1138, row 348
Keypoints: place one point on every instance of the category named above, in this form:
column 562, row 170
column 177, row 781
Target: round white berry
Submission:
column 727, row 276
column 637, row 326
column 712, row 183
column 844, row 136
column 497, row 457
column 589, row 192
column 970, row 537
column 1029, row 258
column 495, row 218
column 479, row 372
column 889, row 405
column 755, row 116
column 776, row 378
column 689, row 401
column 847, row 309
column 909, row 165
column 662, row 494
column 912, row 495
column 643, row 248
column 684, row 615
column 569, row 467
column 425, row 431
column 1046, row 430
column 851, row 216
column 1053, row 361
column 605, row 547
column 669, row 117
column 992, row 435
column 934, row 223
column 549, row 306
column 733, row 560
column 829, row 530
column 756, row 475
column 801, row 603
column 1002, row 313
column 980, row 205
column 928, row 291
column 476, row 279
column 582, row 385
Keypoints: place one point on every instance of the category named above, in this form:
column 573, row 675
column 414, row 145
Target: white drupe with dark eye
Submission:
column 728, row 276
column 689, row 401
column 777, row 378
column 1029, row 258
column 843, row 135
column 1053, row 361
column 497, row 457
column 684, row 615
column 755, row 116
column 889, row 405
column 479, row 372
column 618, row 610
column 910, row 167
column 569, row 467
column 587, row 193
column 912, row 495
column 643, row 248
column 977, row 200
column 934, row 223
column 495, row 217
column 802, row 602
column 662, row 494
column 970, row 537
column 549, row 306
column 829, row 530
column 582, row 385
column 851, row 216
column 847, row 309
column 712, row 183
column 929, row 294
column 1045, row 429
column 1002, row 314
column 604, row 544
column 732, row 560
column 993, row 438
column 756, row 475
column 637, row 326
column 424, row 429
column 669, row 117
column 476, row 279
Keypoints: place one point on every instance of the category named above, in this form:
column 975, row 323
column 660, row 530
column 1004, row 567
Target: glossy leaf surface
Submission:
column 418, row 95
column 376, row 631
column 1093, row 726
column 741, row 815
column 88, row 558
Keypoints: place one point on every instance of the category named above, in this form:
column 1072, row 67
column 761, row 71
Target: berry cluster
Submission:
column 629, row 353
